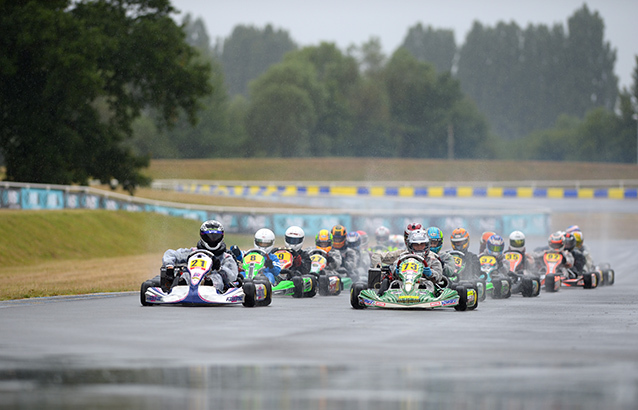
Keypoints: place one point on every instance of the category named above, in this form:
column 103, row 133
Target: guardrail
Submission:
column 534, row 222
column 604, row 189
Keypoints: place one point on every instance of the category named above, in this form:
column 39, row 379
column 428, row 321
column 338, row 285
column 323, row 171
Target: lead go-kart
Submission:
column 190, row 285
column 411, row 289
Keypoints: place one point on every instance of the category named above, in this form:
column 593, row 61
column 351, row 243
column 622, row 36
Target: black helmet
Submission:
column 212, row 234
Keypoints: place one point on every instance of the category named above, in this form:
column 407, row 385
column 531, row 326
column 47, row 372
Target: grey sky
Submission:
column 347, row 22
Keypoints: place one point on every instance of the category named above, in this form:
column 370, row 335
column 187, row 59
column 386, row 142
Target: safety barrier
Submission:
column 581, row 190
column 248, row 220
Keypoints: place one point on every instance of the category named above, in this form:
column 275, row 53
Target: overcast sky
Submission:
column 347, row 22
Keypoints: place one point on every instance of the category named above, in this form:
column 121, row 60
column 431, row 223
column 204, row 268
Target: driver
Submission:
column 211, row 234
column 417, row 243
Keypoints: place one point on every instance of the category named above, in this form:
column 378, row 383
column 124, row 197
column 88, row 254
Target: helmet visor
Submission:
column 212, row 236
column 435, row 243
column 294, row 240
column 517, row 243
column 263, row 243
column 496, row 248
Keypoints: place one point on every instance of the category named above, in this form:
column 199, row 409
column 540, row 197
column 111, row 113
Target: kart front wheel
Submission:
column 590, row 280
column 312, row 279
column 324, row 283
column 143, row 289
column 355, row 290
column 249, row 294
column 468, row 298
column 267, row 294
column 552, row 283
column 609, row 277
column 528, row 287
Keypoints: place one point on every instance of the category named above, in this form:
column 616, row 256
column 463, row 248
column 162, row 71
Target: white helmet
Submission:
column 517, row 241
column 294, row 238
column 265, row 239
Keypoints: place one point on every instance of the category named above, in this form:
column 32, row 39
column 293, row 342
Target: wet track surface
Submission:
column 575, row 349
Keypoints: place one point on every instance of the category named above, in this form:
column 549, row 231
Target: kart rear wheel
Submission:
column 145, row 285
column 313, row 286
column 537, row 286
column 268, row 299
column 609, row 277
column 297, row 282
column 481, row 288
column 589, row 280
column 355, row 290
column 528, row 287
column 249, row 294
column 324, row 283
column 550, row 283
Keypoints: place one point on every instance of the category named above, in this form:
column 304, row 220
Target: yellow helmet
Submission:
column 323, row 240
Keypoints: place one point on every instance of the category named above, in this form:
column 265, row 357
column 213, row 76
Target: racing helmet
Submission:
column 578, row 235
column 365, row 239
column 323, row 240
column 517, row 241
column 556, row 241
column 495, row 245
column 573, row 228
column 435, row 235
column 382, row 235
column 353, row 240
column 569, row 241
column 413, row 226
column 265, row 239
column 294, row 237
column 460, row 239
column 212, row 233
column 483, row 242
column 339, row 233
column 418, row 242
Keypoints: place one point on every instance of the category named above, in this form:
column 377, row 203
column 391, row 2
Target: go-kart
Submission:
column 190, row 285
column 410, row 289
column 498, row 286
column 523, row 281
column 330, row 284
column 554, row 273
column 461, row 277
column 298, row 286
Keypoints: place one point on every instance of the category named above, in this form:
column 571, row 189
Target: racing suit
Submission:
column 472, row 265
column 357, row 263
column 221, row 277
column 389, row 258
column 447, row 263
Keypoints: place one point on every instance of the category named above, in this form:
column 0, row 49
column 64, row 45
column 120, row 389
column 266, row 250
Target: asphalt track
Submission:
column 575, row 349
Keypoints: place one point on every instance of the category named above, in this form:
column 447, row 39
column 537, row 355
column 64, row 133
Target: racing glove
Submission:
column 216, row 264
column 427, row 272
column 269, row 263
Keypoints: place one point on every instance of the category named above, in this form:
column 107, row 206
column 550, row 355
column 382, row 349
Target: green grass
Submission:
column 36, row 237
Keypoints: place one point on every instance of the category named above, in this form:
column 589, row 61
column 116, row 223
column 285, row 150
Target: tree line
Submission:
column 94, row 89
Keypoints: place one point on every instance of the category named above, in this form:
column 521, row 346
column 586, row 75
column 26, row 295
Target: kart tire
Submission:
column 527, row 287
column 268, row 299
column 507, row 285
column 339, row 287
column 481, row 288
column 609, row 277
column 313, row 288
column 297, row 281
column 550, row 283
column 537, row 286
column 145, row 285
column 355, row 290
column 324, row 283
column 249, row 293
column 496, row 290
column 464, row 302
column 589, row 280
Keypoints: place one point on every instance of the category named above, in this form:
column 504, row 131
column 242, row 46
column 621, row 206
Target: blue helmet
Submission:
column 353, row 240
column 495, row 245
column 436, row 238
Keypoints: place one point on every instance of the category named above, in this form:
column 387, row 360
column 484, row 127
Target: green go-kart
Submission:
column 254, row 263
column 410, row 289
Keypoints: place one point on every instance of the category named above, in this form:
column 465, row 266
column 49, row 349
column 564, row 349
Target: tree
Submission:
column 249, row 52
column 75, row 75
column 433, row 46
